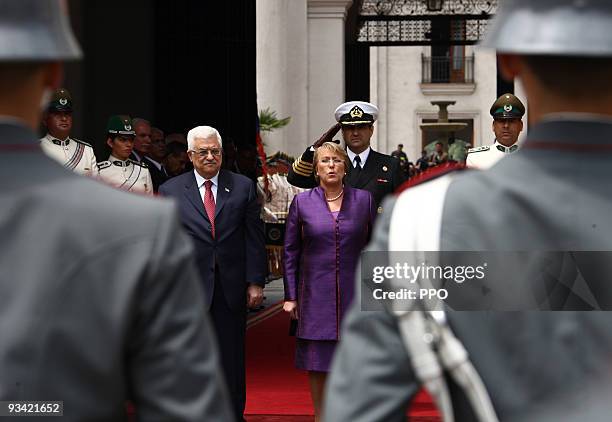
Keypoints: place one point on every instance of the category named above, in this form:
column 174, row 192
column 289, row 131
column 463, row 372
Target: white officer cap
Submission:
column 356, row 113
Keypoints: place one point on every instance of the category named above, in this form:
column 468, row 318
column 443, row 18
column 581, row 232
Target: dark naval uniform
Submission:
column 380, row 175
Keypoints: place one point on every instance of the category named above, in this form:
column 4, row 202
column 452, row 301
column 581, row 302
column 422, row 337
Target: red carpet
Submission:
column 276, row 391
column 274, row 386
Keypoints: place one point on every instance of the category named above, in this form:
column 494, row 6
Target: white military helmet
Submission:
column 36, row 30
column 552, row 27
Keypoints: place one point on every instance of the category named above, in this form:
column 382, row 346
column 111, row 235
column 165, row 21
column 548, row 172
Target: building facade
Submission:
column 301, row 73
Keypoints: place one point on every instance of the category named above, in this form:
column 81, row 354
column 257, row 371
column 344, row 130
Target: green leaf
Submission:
column 269, row 122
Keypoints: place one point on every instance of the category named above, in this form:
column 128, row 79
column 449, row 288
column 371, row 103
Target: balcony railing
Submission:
column 445, row 70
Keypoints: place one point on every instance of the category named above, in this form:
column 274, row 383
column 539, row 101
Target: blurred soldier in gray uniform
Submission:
column 99, row 295
column 554, row 194
column 507, row 112
column 119, row 170
column 72, row 153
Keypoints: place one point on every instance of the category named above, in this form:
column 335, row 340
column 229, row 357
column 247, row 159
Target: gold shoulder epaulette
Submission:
column 302, row 168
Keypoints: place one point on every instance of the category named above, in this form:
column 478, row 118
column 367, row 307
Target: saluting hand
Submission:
column 327, row 136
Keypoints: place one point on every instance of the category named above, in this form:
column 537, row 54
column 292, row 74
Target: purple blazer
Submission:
column 321, row 256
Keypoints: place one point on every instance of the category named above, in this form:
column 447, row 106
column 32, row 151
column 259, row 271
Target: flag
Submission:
column 261, row 152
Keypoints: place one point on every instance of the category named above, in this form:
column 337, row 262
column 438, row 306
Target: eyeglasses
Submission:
column 327, row 160
column 203, row 153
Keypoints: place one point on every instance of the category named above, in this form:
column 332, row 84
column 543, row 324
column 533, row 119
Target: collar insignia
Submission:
column 507, row 149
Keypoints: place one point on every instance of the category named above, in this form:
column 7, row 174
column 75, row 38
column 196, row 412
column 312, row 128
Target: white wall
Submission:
column 282, row 76
column 326, row 21
column 300, row 67
column 300, row 73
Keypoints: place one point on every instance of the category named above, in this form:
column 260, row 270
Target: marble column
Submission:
column 326, row 27
column 282, row 68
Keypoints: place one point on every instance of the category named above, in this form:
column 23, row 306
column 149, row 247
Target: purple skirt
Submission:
column 314, row 355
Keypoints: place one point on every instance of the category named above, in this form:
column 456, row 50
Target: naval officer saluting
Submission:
column 380, row 174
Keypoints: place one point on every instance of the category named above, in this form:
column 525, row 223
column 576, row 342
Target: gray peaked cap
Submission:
column 36, row 30
column 552, row 27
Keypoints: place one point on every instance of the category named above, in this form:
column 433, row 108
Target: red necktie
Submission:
column 209, row 205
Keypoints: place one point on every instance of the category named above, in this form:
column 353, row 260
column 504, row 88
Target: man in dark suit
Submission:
column 377, row 173
column 219, row 210
column 142, row 139
column 155, row 157
column 99, row 295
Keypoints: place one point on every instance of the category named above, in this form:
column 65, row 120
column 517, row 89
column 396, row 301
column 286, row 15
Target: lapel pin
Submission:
column 385, row 168
column 226, row 189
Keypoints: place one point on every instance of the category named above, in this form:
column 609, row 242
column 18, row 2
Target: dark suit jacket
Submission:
column 157, row 176
column 239, row 247
column 100, row 300
column 380, row 176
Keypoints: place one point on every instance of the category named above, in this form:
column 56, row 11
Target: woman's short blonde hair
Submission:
column 333, row 148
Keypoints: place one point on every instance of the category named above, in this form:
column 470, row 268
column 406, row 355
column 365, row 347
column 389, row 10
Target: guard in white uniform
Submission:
column 72, row 153
column 119, row 170
column 507, row 112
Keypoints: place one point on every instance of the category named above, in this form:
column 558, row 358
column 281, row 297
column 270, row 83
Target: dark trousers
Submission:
column 230, row 327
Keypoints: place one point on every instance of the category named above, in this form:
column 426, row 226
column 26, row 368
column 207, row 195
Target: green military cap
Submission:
column 507, row 107
column 120, row 125
column 61, row 101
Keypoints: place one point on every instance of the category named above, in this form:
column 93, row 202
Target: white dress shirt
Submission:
column 363, row 156
column 200, row 181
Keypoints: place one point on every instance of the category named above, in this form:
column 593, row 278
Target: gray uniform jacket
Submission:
column 99, row 297
column 544, row 366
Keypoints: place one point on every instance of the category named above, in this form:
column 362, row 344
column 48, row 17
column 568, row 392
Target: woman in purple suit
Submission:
column 327, row 227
